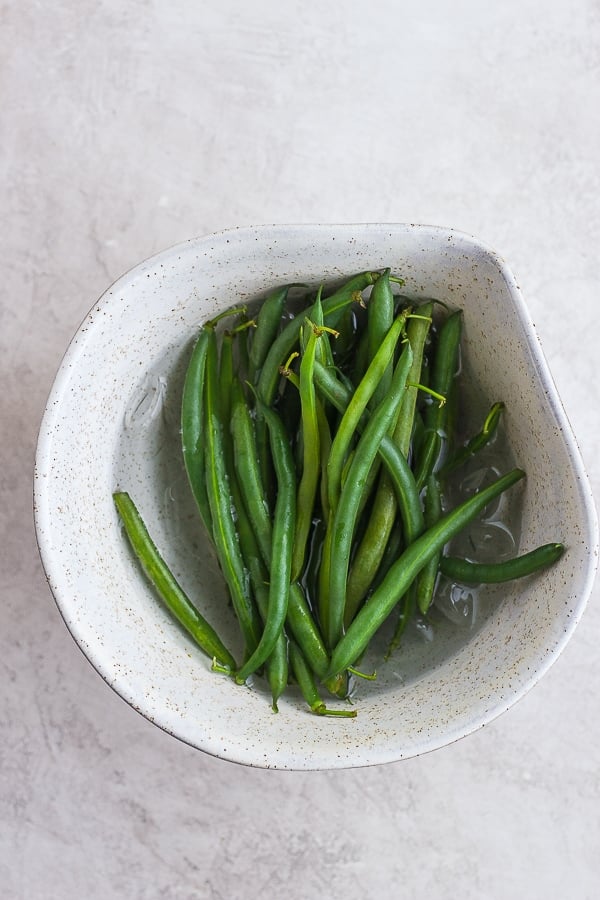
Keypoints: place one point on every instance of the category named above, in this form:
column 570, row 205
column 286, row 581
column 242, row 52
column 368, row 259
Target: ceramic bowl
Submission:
column 112, row 422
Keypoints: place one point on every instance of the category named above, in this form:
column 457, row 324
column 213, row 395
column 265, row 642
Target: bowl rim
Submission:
column 53, row 570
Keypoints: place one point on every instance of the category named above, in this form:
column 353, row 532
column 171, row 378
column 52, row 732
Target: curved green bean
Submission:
column 467, row 572
column 247, row 469
column 172, row 595
column 192, row 428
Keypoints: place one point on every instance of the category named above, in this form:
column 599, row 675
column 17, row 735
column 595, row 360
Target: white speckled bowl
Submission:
column 112, row 421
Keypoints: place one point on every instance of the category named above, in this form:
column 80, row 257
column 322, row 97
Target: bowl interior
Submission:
column 112, row 422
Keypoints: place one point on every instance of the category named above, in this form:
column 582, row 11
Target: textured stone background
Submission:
column 127, row 127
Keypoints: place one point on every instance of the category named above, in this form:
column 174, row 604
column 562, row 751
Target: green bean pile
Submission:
column 317, row 443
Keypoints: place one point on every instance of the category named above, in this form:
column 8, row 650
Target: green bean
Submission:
column 226, row 377
column 345, row 341
column 480, row 440
column 248, row 471
column 324, row 595
column 466, row 572
column 344, row 518
column 431, row 448
column 406, row 568
column 392, row 551
column 356, row 407
column 268, row 323
column 308, row 687
column 282, row 543
column 361, row 360
column 407, row 607
column 302, row 627
column 325, row 441
column 243, row 353
column 417, row 331
column 444, row 367
column 379, row 321
column 172, row 595
column 192, row 428
column 307, row 488
column 219, row 497
column 427, row 577
column 442, row 376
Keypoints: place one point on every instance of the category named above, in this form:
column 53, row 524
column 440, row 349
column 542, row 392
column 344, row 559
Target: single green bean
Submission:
column 431, row 448
column 302, row 627
column 427, row 577
column 247, row 469
column 480, row 440
column 242, row 356
column 172, row 595
column 467, row 572
column 345, row 342
column 268, row 323
column 192, row 428
column 361, row 359
column 407, row 608
column 325, row 441
column 417, row 331
column 393, row 549
column 444, row 367
column 309, row 481
column 445, row 364
column 380, row 316
column 406, row 568
column 282, row 543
